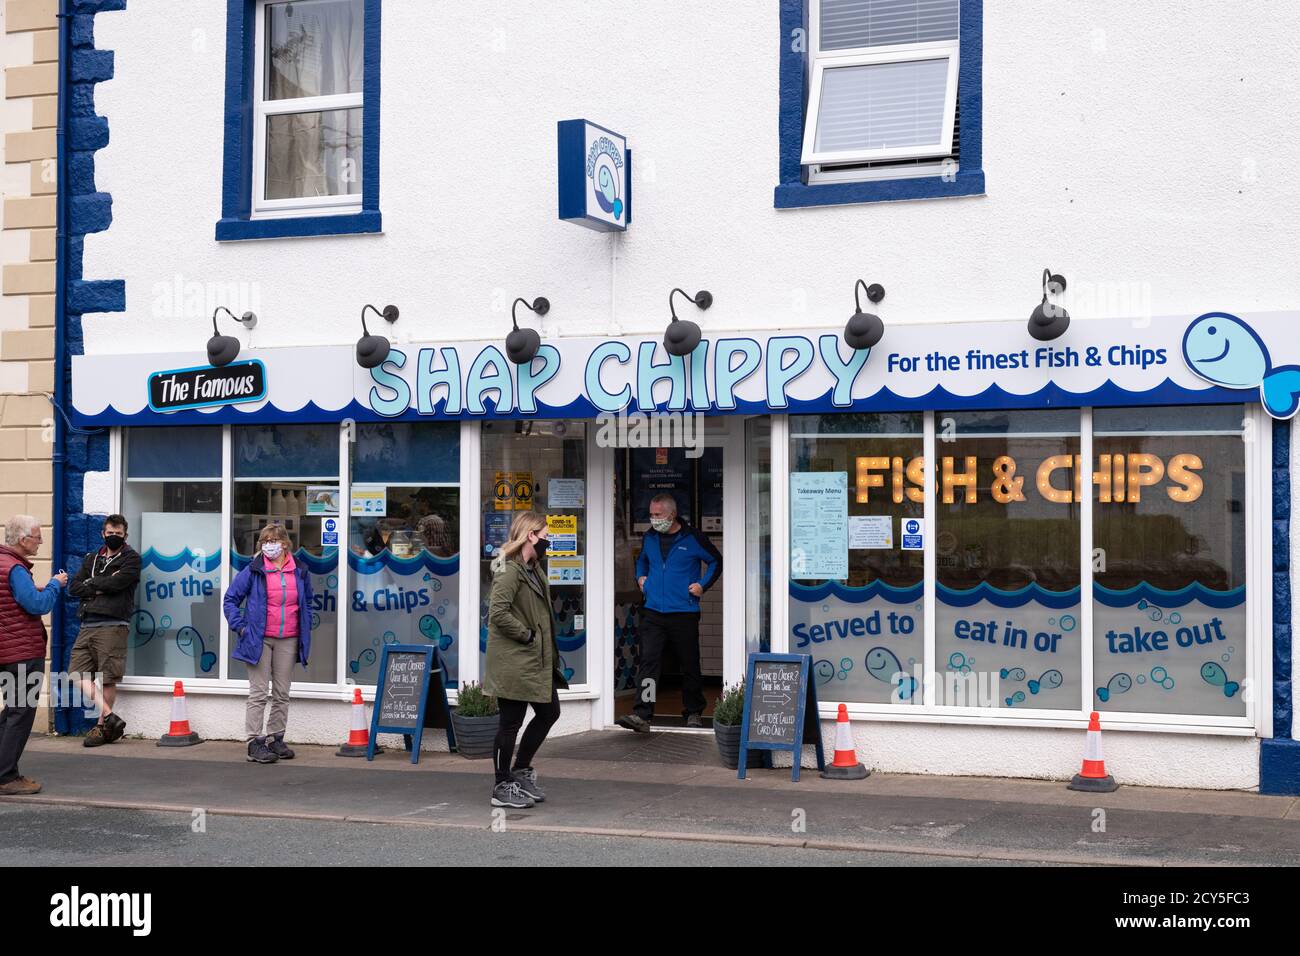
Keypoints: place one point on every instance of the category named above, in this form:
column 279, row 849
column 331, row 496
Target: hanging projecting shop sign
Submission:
column 1212, row 358
column 595, row 176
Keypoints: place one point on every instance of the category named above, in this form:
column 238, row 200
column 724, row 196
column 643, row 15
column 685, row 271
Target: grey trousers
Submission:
column 276, row 669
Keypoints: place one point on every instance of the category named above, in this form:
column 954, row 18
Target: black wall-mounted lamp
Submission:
column 522, row 344
column 864, row 329
column 682, row 335
column 224, row 349
column 372, row 350
column 1049, row 321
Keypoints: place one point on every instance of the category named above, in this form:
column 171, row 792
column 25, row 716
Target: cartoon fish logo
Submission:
column 1046, row 680
column 883, row 664
column 1119, row 684
column 1224, row 350
column 190, row 642
column 1214, row 674
column 605, row 185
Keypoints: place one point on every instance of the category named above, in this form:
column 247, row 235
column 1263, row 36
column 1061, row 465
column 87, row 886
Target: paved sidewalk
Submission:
column 961, row 818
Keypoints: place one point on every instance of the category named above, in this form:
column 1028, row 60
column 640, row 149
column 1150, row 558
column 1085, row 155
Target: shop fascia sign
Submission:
column 1210, row 358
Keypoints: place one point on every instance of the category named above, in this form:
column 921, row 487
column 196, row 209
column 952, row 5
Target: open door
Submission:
column 707, row 484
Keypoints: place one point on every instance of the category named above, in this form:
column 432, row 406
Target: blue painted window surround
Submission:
column 792, row 191
column 237, row 165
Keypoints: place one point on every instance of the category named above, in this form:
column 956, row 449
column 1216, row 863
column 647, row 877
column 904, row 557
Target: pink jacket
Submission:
column 282, row 600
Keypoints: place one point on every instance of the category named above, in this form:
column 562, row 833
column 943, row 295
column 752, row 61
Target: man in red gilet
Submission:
column 22, row 645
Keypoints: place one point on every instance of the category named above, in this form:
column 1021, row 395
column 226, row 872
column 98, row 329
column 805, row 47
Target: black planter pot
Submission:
column 475, row 736
column 728, row 744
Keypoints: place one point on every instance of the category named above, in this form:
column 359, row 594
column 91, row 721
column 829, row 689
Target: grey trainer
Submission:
column 508, row 793
column 527, row 780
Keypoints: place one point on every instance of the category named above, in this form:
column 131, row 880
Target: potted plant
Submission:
column 475, row 721
column 726, row 723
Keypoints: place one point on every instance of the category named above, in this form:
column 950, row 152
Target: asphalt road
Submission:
column 36, row 835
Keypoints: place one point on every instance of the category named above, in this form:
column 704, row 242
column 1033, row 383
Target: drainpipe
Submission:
column 62, row 715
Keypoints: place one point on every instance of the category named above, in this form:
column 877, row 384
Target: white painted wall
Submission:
column 1162, row 760
column 1123, row 143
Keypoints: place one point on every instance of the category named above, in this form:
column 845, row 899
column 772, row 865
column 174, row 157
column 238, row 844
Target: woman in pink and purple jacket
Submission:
column 268, row 606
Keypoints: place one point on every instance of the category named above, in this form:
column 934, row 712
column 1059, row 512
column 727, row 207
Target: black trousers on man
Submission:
column 656, row 630
column 21, row 684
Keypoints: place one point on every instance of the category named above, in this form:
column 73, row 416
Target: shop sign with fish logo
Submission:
column 1225, row 350
column 595, row 179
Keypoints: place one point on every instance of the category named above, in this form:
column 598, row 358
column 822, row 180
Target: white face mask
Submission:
column 661, row 524
column 272, row 549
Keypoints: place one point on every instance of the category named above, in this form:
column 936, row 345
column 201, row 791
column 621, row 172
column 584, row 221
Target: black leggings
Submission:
column 512, row 718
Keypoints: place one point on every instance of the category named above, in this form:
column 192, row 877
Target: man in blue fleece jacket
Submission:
column 677, row 564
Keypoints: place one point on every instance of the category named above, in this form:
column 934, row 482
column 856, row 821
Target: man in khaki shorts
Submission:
column 105, row 585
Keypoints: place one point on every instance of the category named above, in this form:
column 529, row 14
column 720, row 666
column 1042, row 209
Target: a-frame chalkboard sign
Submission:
column 780, row 709
column 406, row 673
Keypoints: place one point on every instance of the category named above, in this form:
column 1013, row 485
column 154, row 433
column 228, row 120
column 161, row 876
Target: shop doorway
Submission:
column 696, row 475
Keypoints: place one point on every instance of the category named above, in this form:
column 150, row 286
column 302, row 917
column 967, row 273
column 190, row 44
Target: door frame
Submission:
column 721, row 431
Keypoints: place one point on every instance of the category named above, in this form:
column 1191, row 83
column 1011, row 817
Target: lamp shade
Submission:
column 522, row 345
column 681, row 337
column 863, row 330
column 1048, row 322
column 372, row 350
column 222, row 350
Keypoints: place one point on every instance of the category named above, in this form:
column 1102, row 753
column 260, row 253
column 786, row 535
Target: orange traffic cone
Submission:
column 358, row 736
column 180, row 734
column 845, row 766
column 1093, row 778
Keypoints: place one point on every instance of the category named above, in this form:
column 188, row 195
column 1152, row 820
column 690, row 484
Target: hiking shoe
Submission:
column 20, row 786
column 259, row 752
column 527, row 780
column 508, row 793
column 95, row 737
column 278, row 747
column 114, row 728
column 693, row 720
column 633, row 722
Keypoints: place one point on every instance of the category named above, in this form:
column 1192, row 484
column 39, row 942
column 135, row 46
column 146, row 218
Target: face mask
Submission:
column 114, row 541
column 661, row 524
column 540, row 546
column 272, row 549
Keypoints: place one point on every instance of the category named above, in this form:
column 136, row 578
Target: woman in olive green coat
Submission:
column 523, row 662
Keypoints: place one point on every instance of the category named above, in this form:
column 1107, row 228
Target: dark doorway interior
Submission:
column 696, row 484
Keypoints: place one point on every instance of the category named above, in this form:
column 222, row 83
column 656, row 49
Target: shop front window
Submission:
column 1007, row 555
column 286, row 475
column 403, row 543
column 171, row 499
column 856, row 588
column 540, row 466
column 1169, row 584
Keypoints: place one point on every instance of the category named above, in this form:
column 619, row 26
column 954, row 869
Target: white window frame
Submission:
column 1257, row 721
column 263, row 108
column 820, row 61
column 340, row 689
